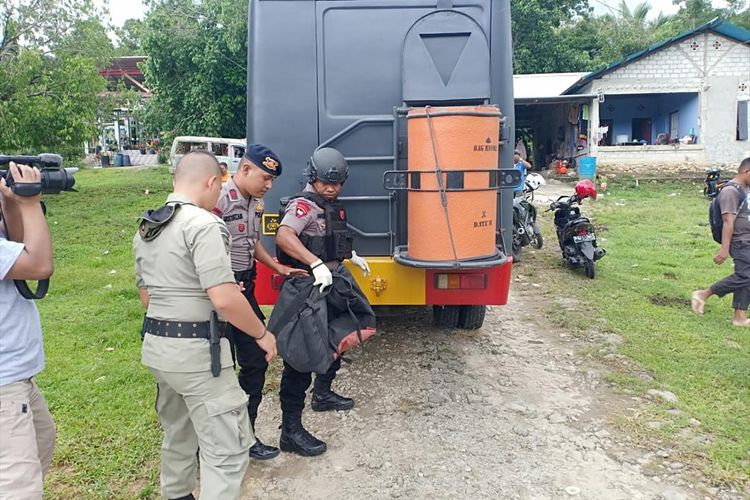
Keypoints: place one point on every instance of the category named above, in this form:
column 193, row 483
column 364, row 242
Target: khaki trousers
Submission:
column 27, row 440
column 198, row 410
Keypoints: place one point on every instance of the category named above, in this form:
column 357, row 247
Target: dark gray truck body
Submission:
column 332, row 72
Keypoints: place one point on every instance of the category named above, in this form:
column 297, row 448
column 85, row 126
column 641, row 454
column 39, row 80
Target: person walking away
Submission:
column 735, row 242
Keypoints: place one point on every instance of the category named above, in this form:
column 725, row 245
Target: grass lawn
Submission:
column 101, row 397
column 660, row 250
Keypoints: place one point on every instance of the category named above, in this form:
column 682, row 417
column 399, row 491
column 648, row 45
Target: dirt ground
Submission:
column 511, row 411
column 508, row 411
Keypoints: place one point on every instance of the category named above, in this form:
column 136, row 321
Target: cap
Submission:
column 264, row 158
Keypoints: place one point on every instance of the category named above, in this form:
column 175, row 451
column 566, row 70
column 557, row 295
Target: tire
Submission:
column 590, row 268
column 472, row 317
column 446, row 316
column 538, row 240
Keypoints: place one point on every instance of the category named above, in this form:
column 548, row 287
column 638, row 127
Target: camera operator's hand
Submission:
column 23, row 222
column 21, row 174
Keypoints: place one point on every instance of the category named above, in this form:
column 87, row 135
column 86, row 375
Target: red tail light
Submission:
column 459, row 281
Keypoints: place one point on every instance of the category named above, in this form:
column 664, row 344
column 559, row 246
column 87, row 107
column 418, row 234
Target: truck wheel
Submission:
column 472, row 317
column 446, row 316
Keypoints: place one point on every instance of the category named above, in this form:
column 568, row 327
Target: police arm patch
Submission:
column 302, row 209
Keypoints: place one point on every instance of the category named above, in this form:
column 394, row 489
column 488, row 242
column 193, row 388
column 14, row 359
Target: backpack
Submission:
column 715, row 220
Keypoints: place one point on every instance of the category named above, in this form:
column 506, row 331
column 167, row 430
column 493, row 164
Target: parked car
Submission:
column 226, row 150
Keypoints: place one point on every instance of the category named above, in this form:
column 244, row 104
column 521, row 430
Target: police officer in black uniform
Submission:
column 313, row 235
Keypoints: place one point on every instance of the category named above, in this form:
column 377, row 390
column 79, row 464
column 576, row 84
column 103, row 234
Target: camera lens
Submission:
column 54, row 181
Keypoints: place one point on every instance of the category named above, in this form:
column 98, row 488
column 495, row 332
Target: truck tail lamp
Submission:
column 460, row 281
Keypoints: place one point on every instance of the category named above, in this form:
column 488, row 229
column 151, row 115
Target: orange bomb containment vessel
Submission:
column 418, row 96
column 462, row 142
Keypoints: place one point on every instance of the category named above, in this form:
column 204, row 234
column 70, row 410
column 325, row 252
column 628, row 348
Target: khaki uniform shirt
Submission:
column 190, row 256
column 243, row 218
column 304, row 216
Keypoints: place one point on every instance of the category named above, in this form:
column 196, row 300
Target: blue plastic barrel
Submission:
column 118, row 159
column 126, row 160
column 587, row 167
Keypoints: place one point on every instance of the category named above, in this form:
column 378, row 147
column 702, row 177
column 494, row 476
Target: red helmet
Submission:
column 585, row 189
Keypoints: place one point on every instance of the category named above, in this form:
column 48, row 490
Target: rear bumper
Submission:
column 390, row 283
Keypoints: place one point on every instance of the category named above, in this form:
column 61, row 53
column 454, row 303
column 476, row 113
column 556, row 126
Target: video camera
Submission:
column 55, row 178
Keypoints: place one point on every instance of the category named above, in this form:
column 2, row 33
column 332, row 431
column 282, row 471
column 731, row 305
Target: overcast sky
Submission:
column 120, row 10
column 665, row 6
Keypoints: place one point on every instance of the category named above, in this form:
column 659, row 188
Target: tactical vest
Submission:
column 336, row 244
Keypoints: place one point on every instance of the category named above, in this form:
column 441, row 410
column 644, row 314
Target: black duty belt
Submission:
column 181, row 329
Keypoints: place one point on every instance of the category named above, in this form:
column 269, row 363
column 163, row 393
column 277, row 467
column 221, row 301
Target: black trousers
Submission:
column 246, row 352
column 739, row 282
column 294, row 385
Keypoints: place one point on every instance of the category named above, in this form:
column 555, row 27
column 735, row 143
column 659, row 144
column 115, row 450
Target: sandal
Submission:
column 697, row 303
column 745, row 323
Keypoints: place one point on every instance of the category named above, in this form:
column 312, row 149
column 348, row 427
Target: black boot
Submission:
column 324, row 399
column 296, row 439
column 260, row 451
column 189, row 496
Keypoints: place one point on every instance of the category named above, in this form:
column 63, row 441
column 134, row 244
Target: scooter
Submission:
column 713, row 183
column 525, row 230
column 575, row 233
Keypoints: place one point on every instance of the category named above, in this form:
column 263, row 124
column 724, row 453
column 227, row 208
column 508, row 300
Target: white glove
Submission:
column 360, row 263
column 322, row 274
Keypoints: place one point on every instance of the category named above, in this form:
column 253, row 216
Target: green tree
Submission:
column 196, row 66
column 49, row 81
column 539, row 43
column 131, row 38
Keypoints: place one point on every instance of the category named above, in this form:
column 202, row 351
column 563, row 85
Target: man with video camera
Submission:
column 27, row 432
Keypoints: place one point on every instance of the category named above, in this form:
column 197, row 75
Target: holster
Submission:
column 214, row 344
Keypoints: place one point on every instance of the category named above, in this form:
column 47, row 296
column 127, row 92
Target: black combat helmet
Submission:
column 327, row 165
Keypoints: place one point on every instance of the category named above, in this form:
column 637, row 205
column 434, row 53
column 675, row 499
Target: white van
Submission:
column 229, row 151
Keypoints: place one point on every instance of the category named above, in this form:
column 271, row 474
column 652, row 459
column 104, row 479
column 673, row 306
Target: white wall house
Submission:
column 684, row 100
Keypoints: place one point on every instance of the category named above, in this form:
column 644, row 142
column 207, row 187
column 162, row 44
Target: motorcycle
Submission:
column 575, row 233
column 713, row 183
column 525, row 229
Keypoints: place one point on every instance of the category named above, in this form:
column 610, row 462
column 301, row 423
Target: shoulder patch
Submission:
column 301, row 209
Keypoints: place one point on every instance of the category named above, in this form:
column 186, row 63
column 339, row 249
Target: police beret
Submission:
column 264, row 158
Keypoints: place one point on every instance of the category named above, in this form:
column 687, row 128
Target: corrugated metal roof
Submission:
column 716, row 25
column 543, row 85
